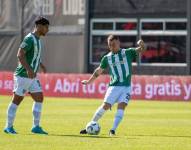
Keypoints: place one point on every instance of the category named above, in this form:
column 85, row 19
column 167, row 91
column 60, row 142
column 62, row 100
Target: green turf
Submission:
column 148, row 125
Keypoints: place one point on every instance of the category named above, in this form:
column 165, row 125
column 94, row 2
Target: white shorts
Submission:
column 117, row 94
column 23, row 85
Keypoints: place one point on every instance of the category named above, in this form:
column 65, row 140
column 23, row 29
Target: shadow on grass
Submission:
column 107, row 137
column 158, row 135
column 81, row 136
column 71, row 135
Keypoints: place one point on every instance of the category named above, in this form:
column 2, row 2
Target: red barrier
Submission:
column 143, row 87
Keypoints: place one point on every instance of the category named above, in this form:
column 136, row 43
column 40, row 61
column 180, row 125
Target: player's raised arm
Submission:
column 22, row 60
column 96, row 73
column 141, row 46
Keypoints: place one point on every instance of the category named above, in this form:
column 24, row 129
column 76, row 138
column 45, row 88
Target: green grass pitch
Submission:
column 147, row 125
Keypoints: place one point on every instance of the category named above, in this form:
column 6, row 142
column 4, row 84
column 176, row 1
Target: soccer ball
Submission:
column 93, row 128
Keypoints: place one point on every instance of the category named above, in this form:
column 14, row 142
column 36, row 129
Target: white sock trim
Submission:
column 11, row 113
column 36, row 109
column 118, row 117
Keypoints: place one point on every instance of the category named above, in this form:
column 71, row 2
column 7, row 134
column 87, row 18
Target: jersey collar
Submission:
column 117, row 52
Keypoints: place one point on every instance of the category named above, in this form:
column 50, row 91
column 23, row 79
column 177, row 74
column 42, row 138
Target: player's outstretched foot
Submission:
column 38, row 130
column 112, row 133
column 10, row 130
column 83, row 131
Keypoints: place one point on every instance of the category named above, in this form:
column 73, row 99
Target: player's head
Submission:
column 113, row 43
column 42, row 25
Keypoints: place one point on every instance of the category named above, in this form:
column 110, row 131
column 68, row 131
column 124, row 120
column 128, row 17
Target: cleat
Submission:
column 112, row 133
column 83, row 131
column 10, row 130
column 38, row 130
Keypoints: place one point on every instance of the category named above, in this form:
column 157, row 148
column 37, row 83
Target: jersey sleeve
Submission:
column 104, row 63
column 26, row 44
column 131, row 52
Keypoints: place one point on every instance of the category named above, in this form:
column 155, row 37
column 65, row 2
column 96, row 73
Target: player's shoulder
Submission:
column 28, row 37
column 108, row 54
column 105, row 57
column 129, row 51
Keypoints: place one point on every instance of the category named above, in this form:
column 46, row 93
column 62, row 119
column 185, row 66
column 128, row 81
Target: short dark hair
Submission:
column 41, row 20
column 112, row 37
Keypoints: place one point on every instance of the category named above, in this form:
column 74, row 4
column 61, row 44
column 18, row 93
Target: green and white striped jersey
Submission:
column 32, row 47
column 120, row 66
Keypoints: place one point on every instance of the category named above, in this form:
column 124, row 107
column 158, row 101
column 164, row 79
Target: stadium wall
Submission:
column 164, row 88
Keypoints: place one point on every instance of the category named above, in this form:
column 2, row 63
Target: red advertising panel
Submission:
column 143, row 87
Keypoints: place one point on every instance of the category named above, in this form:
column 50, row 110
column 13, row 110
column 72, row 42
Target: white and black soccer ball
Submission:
column 93, row 128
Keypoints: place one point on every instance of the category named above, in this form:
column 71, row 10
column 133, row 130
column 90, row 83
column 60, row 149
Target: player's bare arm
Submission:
column 141, row 46
column 98, row 71
column 22, row 59
column 42, row 67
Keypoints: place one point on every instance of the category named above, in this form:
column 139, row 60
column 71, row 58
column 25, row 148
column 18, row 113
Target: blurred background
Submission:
column 79, row 29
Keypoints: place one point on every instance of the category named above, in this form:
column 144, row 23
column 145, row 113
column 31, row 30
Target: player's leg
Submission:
column 37, row 95
column 36, row 110
column 110, row 98
column 20, row 87
column 118, row 117
column 37, row 107
column 11, row 113
column 100, row 111
column 98, row 114
column 122, row 103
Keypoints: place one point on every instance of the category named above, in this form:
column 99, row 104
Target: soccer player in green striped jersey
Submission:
column 25, row 80
column 119, row 62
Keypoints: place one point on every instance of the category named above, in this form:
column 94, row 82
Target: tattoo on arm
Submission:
column 95, row 74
